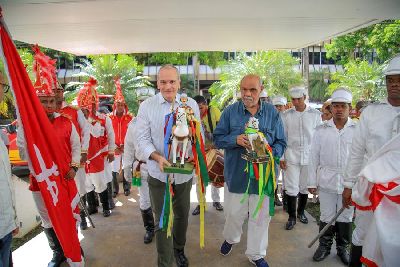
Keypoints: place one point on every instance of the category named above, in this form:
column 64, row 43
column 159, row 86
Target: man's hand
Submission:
column 83, row 158
column 346, row 198
column 110, row 157
column 70, row 175
column 312, row 190
column 283, row 165
column 15, row 231
column 163, row 162
column 243, row 140
column 120, row 149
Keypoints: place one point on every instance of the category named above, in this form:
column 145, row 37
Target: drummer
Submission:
column 229, row 135
column 209, row 119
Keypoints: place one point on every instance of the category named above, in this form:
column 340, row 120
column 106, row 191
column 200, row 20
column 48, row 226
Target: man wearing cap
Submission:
column 120, row 119
column 379, row 123
column 150, row 138
column 8, row 217
column 330, row 150
column 133, row 161
column 65, row 130
column 230, row 136
column 279, row 103
column 101, row 147
column 264, row 96
column 300, row 122
column 209, row 118
column 82, row 126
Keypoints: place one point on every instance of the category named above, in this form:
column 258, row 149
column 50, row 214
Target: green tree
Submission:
column 383, row 38
column 210, row 58
column 363, row 79
column 318, row 86
column 104, row 68
column 276, row 69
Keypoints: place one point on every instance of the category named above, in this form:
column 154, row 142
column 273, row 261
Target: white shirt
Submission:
column 130, row 146
column 299, row 130
column 8, row 212
column 378, row 124
column 330, row 149
column 150, row 132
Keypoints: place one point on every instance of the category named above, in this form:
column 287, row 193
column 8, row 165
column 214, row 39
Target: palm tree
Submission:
column 276, row 69
column 104, row 68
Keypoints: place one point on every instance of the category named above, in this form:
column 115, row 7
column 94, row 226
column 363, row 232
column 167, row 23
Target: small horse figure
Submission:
column 180, row 135
column 251, row 131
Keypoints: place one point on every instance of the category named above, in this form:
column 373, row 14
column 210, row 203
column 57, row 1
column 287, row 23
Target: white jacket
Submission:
column 378, row 124
column 8, row 212
column 330, row 149
column 299, row 130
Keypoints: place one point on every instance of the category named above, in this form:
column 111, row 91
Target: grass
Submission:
column 17, row 242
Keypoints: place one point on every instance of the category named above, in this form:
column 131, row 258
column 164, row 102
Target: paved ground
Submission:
column 117, row 241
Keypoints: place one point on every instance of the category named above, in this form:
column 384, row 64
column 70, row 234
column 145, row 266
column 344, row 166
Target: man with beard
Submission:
column 330, row 149
column 379, row 123
column 230, row 135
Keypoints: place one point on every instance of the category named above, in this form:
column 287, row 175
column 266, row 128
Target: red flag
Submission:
column 47, row 158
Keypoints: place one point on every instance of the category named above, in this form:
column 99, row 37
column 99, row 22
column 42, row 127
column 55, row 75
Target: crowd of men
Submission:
column 321, row 153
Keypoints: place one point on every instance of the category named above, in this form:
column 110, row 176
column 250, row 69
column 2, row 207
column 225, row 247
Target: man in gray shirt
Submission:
column 150, row 139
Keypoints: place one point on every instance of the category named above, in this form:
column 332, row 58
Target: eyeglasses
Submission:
column 6, row 87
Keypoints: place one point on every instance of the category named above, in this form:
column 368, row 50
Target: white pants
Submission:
column 362, row 222
column 82, row 183
column 296, row 179
column 214, row 193
column 144, row 199
column 117, row 163
column 330, row 204
column 41, row 207
column 107, row 170
column 257, row 230
column 97, row 179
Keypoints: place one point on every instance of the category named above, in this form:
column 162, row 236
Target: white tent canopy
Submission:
column 86, row 27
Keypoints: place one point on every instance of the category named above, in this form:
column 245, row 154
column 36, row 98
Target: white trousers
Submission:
column 362, row 222
column 107, row 170
column 82, row 184
column 41, row 207
column 214, row 193
column 144, row 198
column 117, row 163
column 330, row 204
column 257, row 230
column 97, row 179
column 296, row 179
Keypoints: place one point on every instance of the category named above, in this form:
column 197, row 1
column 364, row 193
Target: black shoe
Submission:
column 218, row 206
column 196, row 211
column 302, row 218
column 114, row 194
column 325, row 243
column 181, row 260
column 104, row 199
column 343, row 235
column 58, row 254
column 127, row 192
column 290, row 223
column 91, row 200
column 106, row 213
column 148, row 222
column 355, row 256
column 83, row 224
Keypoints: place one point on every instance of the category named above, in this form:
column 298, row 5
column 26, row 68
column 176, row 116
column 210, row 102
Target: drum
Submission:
column 215, row 164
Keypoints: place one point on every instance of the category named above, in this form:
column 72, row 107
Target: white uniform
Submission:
column 131, row 155
column 299, row 130
column 378, row 124
column 329, row 153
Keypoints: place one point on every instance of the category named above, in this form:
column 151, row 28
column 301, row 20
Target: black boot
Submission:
column 83, row 224
column 91, row 200
column 180, row 258
column 284, row 200
column 126, row 184
column 291, row 201
column 301, row 206
column 115, row 184
column 325, row 243
column 148, row 222
column 278, row 202
column 110, row 194
column 343, row 235
column 355, row 256
column 58, row 254
column 105, row 203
